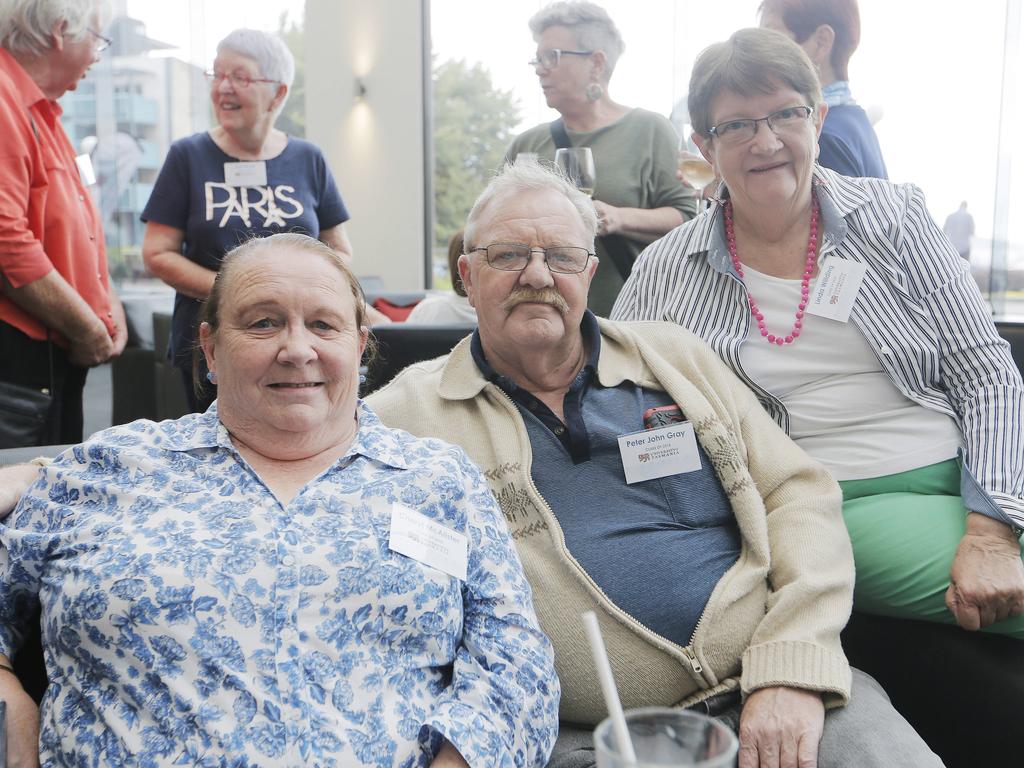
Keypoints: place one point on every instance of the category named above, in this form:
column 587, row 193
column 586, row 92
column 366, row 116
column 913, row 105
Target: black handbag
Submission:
column 25, row 413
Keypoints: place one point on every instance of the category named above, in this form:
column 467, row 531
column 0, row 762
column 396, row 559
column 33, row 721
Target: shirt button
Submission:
column 81, row 197
column 288, row 560
column 559, row 430
column 92, row 237
column 288, row 634
column 532, row 405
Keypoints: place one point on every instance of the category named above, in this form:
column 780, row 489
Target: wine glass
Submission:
column 578, row 164
column 695, row 170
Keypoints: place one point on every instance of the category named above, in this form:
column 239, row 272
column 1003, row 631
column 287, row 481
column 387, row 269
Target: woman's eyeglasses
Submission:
column 238, row 80
column 742, row 131
column 549, row 59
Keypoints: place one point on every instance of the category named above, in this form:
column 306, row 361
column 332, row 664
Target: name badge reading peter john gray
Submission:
column 655, row 453
column 428, row 541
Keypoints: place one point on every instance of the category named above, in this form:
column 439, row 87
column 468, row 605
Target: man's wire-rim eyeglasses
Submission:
column 515, row 257
column 745, row 129
column 103, row 42
column 550, row 58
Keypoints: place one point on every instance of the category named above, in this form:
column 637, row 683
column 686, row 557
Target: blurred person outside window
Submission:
column 959, row 228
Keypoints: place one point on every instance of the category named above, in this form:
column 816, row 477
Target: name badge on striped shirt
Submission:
column 835, row 289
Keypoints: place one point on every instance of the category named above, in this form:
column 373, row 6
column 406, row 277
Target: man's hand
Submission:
column 92, row 346
column 987, row 577
column 780, row 728
column 14, row 481
column 22, row 722
column 120, row 335
column 608, row 219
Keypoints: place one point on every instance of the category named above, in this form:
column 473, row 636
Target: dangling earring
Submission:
column 594, row 91
column 211, row 377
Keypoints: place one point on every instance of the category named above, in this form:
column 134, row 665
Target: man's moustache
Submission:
column 536, row 296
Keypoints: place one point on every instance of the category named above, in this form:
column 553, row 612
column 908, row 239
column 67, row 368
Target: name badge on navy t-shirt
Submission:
column 250, row 173
column 655, row 453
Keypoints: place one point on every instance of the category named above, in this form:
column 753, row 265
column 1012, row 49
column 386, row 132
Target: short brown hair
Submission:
column 752, row 61
column 802, row 17
column 211, row 309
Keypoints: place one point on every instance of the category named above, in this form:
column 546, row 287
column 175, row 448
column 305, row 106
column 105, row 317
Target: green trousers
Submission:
column 905, row 529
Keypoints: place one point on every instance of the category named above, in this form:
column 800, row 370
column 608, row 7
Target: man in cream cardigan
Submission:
column 642, row 480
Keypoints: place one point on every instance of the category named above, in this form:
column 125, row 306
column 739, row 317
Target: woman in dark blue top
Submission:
column 242, row 179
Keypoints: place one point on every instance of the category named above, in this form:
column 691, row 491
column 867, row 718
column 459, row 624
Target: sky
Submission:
column 934, row 76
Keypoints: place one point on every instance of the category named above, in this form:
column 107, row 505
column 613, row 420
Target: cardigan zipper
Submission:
column 695, row 666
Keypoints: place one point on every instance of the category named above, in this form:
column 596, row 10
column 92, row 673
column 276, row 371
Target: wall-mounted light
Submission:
column 360, row 88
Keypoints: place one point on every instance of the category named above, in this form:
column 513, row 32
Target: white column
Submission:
column 373, row 142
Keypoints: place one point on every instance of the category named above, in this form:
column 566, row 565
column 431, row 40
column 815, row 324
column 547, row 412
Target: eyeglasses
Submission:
column 239, row 81
column 742, row 131
column 549, row 59
column 514, row 257
column 102, row 43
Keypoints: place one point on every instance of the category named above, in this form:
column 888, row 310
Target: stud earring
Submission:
column 211, row 377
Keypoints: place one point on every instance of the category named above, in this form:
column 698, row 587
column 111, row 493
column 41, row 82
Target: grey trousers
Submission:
column 866, row 733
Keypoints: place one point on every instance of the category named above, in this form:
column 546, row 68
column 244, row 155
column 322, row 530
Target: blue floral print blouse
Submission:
column 191, row 619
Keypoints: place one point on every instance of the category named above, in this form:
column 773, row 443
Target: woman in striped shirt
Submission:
column 841, row 303
column 843, row 306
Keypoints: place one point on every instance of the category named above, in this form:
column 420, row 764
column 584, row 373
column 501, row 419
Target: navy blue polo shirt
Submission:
column 656, row 548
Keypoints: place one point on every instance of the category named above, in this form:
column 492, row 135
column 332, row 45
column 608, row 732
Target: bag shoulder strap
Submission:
column 559, row 134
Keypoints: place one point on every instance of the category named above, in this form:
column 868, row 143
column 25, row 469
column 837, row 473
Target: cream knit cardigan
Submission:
column 773, row 619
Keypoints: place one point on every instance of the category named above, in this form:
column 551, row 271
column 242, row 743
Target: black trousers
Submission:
column 26, row 362
column 963, row 691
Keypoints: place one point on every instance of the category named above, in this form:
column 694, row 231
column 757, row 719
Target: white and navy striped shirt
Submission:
column 918, row 308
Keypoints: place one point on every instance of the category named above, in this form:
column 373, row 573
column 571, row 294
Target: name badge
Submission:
column 427, row 541
column 836, row 289
column 246, row 174
column 654, row 453
column 85, row 169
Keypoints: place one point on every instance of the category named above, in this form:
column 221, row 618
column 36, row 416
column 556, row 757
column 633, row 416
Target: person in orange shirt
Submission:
column 54, row 284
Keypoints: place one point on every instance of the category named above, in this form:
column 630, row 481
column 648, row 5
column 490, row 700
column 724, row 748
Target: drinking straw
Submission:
column 611, row 695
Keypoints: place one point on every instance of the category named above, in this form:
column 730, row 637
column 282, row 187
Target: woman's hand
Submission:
column 780, row 728
column 14, row 481
column 449, row 757
column 608, row 220
column 987, row 577
column 22, row 721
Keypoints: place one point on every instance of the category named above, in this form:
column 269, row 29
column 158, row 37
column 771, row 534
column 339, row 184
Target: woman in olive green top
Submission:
column 637, row 195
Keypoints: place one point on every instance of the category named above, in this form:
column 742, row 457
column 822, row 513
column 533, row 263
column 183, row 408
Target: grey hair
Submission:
column 272, row 57
column 593, row 27
column 26, row 25
column 530, row 176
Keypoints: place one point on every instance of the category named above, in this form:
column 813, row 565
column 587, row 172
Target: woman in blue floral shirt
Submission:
column 280, row 581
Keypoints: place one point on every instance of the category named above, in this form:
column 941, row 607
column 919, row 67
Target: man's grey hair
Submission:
column 530, row 176
column 589, row 22
column 26, row 25
column 272, row 57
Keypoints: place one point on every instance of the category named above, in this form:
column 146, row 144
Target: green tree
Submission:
column 293, row 117
column 473, row 125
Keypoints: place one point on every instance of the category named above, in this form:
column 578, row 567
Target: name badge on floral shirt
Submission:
column 427, row 541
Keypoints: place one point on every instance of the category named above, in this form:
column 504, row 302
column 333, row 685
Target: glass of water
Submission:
column 664, row 737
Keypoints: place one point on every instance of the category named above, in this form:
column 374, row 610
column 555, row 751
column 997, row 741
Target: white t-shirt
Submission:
column 444, row 308
column 844, row 410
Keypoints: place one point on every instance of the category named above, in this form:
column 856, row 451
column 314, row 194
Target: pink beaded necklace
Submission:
column 812, row 256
